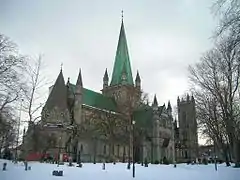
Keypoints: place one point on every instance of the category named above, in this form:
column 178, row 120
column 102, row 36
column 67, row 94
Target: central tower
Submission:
column 122, row 87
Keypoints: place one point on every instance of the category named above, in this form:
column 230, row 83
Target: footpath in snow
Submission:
column 89, row 171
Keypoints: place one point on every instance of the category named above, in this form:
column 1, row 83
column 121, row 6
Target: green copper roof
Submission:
column 122, row 57
column 143, row 117
column 97, row 100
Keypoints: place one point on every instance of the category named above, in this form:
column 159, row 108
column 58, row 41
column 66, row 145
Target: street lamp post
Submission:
column 133, row 144
column 129, row 150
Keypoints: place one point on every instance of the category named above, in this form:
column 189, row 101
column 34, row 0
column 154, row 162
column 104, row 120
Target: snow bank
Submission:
column 119, row 171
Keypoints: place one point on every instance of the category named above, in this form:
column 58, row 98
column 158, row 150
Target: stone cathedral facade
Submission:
column 97, row 127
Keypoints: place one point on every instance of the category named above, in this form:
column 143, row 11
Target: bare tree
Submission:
column 33, row 95
column 11, row 70
column 229, row 13
column 8, row 130
column 130, row 101
column 210, row 122
column 111, row 127
column 217, row 75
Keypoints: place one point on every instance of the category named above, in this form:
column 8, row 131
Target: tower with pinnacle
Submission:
column 122, row 84
column 187, row 128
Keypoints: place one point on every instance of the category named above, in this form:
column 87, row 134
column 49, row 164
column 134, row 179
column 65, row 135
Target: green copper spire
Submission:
column 122, row 59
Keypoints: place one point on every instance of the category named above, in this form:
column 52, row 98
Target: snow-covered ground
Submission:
column 42, row 171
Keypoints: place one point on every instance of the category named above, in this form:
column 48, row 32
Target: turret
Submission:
column 78, row 99
column 188, row 97
column 69, row 91
column 169, row 108
column 105, row 79
column 138, row 81
column 155, row 103
column 68, row 82
column 79, row 83
column 178, row 100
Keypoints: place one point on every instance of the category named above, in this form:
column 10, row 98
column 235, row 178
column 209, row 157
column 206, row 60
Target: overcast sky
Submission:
column 164, row 37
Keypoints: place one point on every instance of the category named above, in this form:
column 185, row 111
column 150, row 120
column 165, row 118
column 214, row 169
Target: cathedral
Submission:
column 116, row 124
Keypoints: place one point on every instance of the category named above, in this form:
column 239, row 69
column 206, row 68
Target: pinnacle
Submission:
column 138, row 77
column 169, row 105
column 106, row 75
column 79, row 79
column 155, row 102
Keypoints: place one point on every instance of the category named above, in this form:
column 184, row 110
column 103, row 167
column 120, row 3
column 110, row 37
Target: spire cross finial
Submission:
column 122, row 14
column 61, row 66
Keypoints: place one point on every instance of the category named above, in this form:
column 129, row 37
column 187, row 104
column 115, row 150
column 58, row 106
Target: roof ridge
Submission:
column 91, row 91
column 95, row 99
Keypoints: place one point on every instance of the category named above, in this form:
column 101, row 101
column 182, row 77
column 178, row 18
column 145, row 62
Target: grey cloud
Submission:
column 163, row 38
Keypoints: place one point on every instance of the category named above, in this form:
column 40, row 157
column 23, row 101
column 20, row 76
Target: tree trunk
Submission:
column 237, row 153
column 1, row 145
column 225, row 153
column 229, row 151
